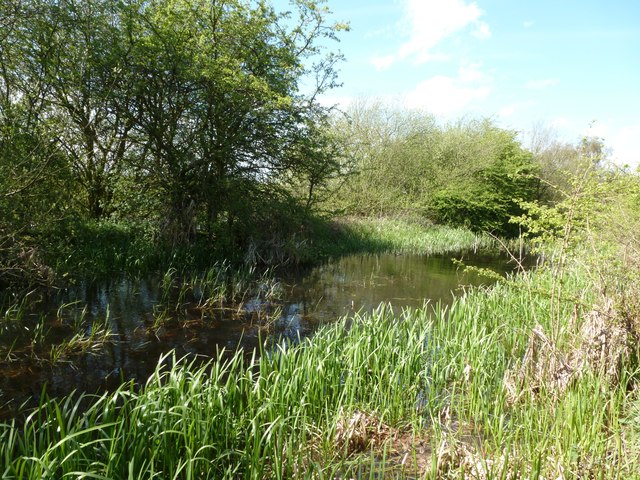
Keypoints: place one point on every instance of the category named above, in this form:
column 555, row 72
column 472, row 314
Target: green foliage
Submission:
column 180, row 116
column 597, row 221
column 375, row 235
column 101, row 248
column 428, row 380
column 217, row 108
column 391, row 156
column 34, row 191
column 470, row 174
column 598, row 201
column 238, row 417
column 491, row 196
column 559, row 162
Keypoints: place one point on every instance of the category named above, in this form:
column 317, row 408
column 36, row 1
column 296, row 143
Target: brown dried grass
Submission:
column 361, row 431
column 603, row 344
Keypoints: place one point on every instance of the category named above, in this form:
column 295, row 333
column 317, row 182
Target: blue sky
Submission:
column 563, row 64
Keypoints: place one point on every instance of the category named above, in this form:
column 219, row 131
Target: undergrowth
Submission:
column 396, row 235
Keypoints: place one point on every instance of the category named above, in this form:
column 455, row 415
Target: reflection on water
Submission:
column 363, row 281
column 309, row 299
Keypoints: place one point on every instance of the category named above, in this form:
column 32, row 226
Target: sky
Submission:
column 569, row 65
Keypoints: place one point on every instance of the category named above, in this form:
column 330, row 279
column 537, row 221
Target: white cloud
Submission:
column 540, row 84
column 483, row 31
column 561, row 123
column 382, row 62
column 509, row 110
column 427, row 22
column 598, row 129
column 444, row 95
column 625, row 145
column 340, row 101
column 528, row 23
column 471, row 73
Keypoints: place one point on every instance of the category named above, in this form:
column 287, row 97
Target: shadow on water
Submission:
column 306, row 300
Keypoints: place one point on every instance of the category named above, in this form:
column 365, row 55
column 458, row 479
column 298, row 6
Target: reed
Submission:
column 30, row 337
column 272, row 415
column 489, row 387
column 245, row 292
column 89, row 337
column 398, row 235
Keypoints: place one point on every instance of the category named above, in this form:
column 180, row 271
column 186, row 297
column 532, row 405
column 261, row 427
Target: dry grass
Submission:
column 604, row 345
column 397, row 452
column 360, row 431
column 607, row 343
column 544, row 366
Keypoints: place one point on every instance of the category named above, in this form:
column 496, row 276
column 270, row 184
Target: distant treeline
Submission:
column 470, row 172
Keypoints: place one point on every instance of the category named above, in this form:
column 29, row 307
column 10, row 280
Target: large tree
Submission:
column 198, row 102
column 68, row 59
column 218, row 109
column 93, row 39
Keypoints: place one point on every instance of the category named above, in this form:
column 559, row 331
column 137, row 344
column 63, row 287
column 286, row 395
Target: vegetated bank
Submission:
column 44, row 326
column 95, row 335
column 534, row 378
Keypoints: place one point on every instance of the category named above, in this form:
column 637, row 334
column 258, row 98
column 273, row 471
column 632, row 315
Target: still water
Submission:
column 306, row 300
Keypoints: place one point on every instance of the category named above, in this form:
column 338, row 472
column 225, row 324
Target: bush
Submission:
column 491, row 196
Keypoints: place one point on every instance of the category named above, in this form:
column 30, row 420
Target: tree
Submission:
column 217, row 106
column 559, row 162
column 30, row 162
column 68, row 60
column 391, row 153
column 468, row 172
column 87, row 46
column 197, row 103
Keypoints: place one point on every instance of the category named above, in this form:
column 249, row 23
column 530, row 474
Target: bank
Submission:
column 533, row 378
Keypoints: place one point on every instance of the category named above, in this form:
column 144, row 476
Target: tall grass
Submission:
column 272, row 417
column 480, row 389
column 397, row 235
column 31, row 336
column 102, row 249
column 241, row 292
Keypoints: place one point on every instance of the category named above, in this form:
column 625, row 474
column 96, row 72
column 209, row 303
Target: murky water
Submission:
column 305, row 300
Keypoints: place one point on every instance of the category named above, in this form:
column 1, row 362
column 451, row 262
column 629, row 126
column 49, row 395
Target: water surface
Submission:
column 306, row 299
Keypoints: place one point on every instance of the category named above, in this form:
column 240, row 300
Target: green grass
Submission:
column 218, row 288
column 359, row 398
column 235, row 418
column 377, row 235
column 504, row 386
column 103, row 249
column 30, row 336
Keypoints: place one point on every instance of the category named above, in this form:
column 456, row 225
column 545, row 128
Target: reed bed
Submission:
column 243, row 293
column 404, row 236
column 272, row 416
column 397, row 235
column 28, row 336
column 490, row 387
